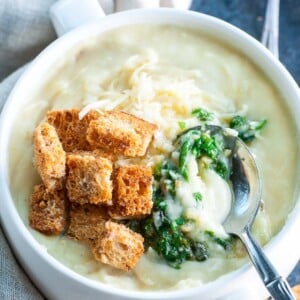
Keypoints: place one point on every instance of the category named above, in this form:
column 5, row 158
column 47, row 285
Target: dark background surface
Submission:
column 249, row 16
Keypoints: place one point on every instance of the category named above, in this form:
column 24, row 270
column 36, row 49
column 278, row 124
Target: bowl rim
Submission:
column 9, row 215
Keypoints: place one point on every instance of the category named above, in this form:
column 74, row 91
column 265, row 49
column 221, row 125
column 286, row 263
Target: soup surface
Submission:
column 161, row 74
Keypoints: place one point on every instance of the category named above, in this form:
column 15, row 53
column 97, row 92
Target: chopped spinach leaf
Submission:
column 197, row 148
column 210, row 146
column 185, row 150
column 173, row 246
column 197, row 196
column 200, row 143
column 225, row 243
column 162, row 205
column 209, row 233
column 247, row 130
column 169, row 170
column 200, row 251
column 180, row 221
column 202, row 114
column 167, row 177
column 157, row 171
column 259, row 124
column 181, row 125
column 221, row 168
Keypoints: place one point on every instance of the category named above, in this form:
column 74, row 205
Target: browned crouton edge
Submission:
column 50, row 158
column 47, row 210
column 120, row 133
column 132, row 192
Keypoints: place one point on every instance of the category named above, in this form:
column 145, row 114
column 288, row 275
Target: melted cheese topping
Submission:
column 211, row 211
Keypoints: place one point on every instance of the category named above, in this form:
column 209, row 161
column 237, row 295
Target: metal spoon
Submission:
column 246, row 201
column 246, row 188
column 270, row 40
column 246, row 184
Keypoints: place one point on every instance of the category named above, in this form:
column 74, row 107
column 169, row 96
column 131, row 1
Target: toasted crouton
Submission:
column 50, row 158
column 119, row 246
column 71, row 130
column 86, row 222
column 296, row 291
column 120, row 133
column 47, row 210
column 132, row 192
column 89, row 178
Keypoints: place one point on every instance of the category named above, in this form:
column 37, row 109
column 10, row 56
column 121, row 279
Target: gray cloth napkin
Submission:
column 14, row 284
column 25, row 30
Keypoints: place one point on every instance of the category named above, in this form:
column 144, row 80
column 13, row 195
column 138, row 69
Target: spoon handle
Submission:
column 277, row 286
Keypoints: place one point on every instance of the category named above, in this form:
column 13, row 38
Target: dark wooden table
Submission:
column 249, row 16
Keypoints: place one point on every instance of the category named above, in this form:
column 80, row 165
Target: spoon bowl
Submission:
column 246, row 189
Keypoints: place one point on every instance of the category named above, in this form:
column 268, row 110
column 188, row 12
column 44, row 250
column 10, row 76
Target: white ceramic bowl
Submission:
column 57, row 281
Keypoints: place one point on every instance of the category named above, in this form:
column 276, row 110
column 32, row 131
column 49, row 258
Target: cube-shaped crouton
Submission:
column 120, row 133
column 119, row 246
column 50, row 158
column 71, row 130
column 47, row 210
column 89, row 178
column 87, row 222
column 296, row 291
column 132, row 192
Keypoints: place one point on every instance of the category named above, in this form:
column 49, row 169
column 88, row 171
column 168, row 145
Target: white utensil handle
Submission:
column 69, row 14
column 270, row 35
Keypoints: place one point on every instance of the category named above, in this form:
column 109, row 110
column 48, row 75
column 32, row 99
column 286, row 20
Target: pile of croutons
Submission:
column 84, row 194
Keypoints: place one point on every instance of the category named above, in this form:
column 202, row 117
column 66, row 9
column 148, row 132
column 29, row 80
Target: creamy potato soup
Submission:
column 169, row 76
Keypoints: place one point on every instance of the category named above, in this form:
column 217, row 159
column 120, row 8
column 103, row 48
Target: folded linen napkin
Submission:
column 25, row 30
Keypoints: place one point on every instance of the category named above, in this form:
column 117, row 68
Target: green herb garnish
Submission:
column 247, row 130
column 200, row 143
column 202, row 114
column 225, row 243
column 185, row 150
column 207, row 145
column 221, row 168
column 181, row 125
column 161, row 233
column 168, row 237
column 197, row 196
column 169, row 173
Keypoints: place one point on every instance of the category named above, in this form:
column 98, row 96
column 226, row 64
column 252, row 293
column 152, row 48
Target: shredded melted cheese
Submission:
column 144, row 88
